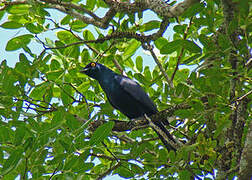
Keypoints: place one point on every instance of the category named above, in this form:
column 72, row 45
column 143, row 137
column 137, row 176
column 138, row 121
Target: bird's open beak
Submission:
column 84, row 70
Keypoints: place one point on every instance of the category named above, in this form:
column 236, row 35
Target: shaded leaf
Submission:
column 101, row 133
column 160, row 42
column 170, row 47
column 191, row 46
column 12, row 161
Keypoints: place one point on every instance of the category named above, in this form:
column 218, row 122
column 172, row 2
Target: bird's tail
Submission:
column 164, row 135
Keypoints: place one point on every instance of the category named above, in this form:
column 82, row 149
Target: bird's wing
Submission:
column 136, row 91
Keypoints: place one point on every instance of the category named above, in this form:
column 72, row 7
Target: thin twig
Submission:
column 106, row 50
column 54, row 172
column 182, row 51
column 118, row 66
column 244, row 96
column 101, row 176
column 150, row 48
column 112, row 154
column 74, row 6
column 82, row 95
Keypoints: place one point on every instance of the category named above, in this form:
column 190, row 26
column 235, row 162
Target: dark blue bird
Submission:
column 125, row 95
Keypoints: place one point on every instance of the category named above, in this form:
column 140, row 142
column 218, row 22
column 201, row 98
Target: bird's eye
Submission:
column 93, row 64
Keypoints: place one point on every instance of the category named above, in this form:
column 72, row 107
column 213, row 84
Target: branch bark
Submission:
column 77, row 10
column 245, row 171
column 121, row 126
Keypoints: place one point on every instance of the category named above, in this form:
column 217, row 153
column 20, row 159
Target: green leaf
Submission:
column 5, row 134
column 72, row 122
column 54, row 75
column 58, row 117
column 160, row 42
column 124, row 170
column 28, row 144
column 19, row 134
column 90, row 4
column 65, row 95
column 191, row 46
column 34, row 29
column 12, row 161
column 147, row 73
column 83, row 166
column 39, row 90
column 193, row 10
column 18, row 42
column 70, row 162
column 11, row 25
column 28, row 50
column 66, row 20
column 84, row 55
column 204, row 40
column 170, row 47
column 172, row 156
column 101, row 133
column 66, row 36
column 139, row 63
column 33, row 124
column 140, row 78
column 224, row 42
column 19, row 9
column 42, row 156
column 78, row 25
column 180, row 28
column 132, row 47
column 54, row 65
column 184, row 174
column 88, row 35
column 8, row 82
column 191, row 59
column 1, row 14
column 150, row 26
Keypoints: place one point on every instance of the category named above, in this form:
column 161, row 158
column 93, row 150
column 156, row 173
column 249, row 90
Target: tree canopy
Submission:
column 192, row 57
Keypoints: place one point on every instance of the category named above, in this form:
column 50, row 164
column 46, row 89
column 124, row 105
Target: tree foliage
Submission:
column 57, row 123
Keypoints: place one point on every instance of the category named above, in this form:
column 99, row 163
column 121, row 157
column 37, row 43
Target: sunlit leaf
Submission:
column 132, row 47
column 11, row 25
column 139, row 63
column 19, row 9
column 18, row 42
column 150, row 26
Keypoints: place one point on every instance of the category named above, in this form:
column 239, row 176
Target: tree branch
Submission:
column 158, row 6
column 181, row 52
column 150, row 48
column 101, row 176
column 121, row 126
column 245, row 171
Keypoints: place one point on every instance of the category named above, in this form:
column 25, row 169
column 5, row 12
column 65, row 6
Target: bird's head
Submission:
column 92, row 70
column 96, row 71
